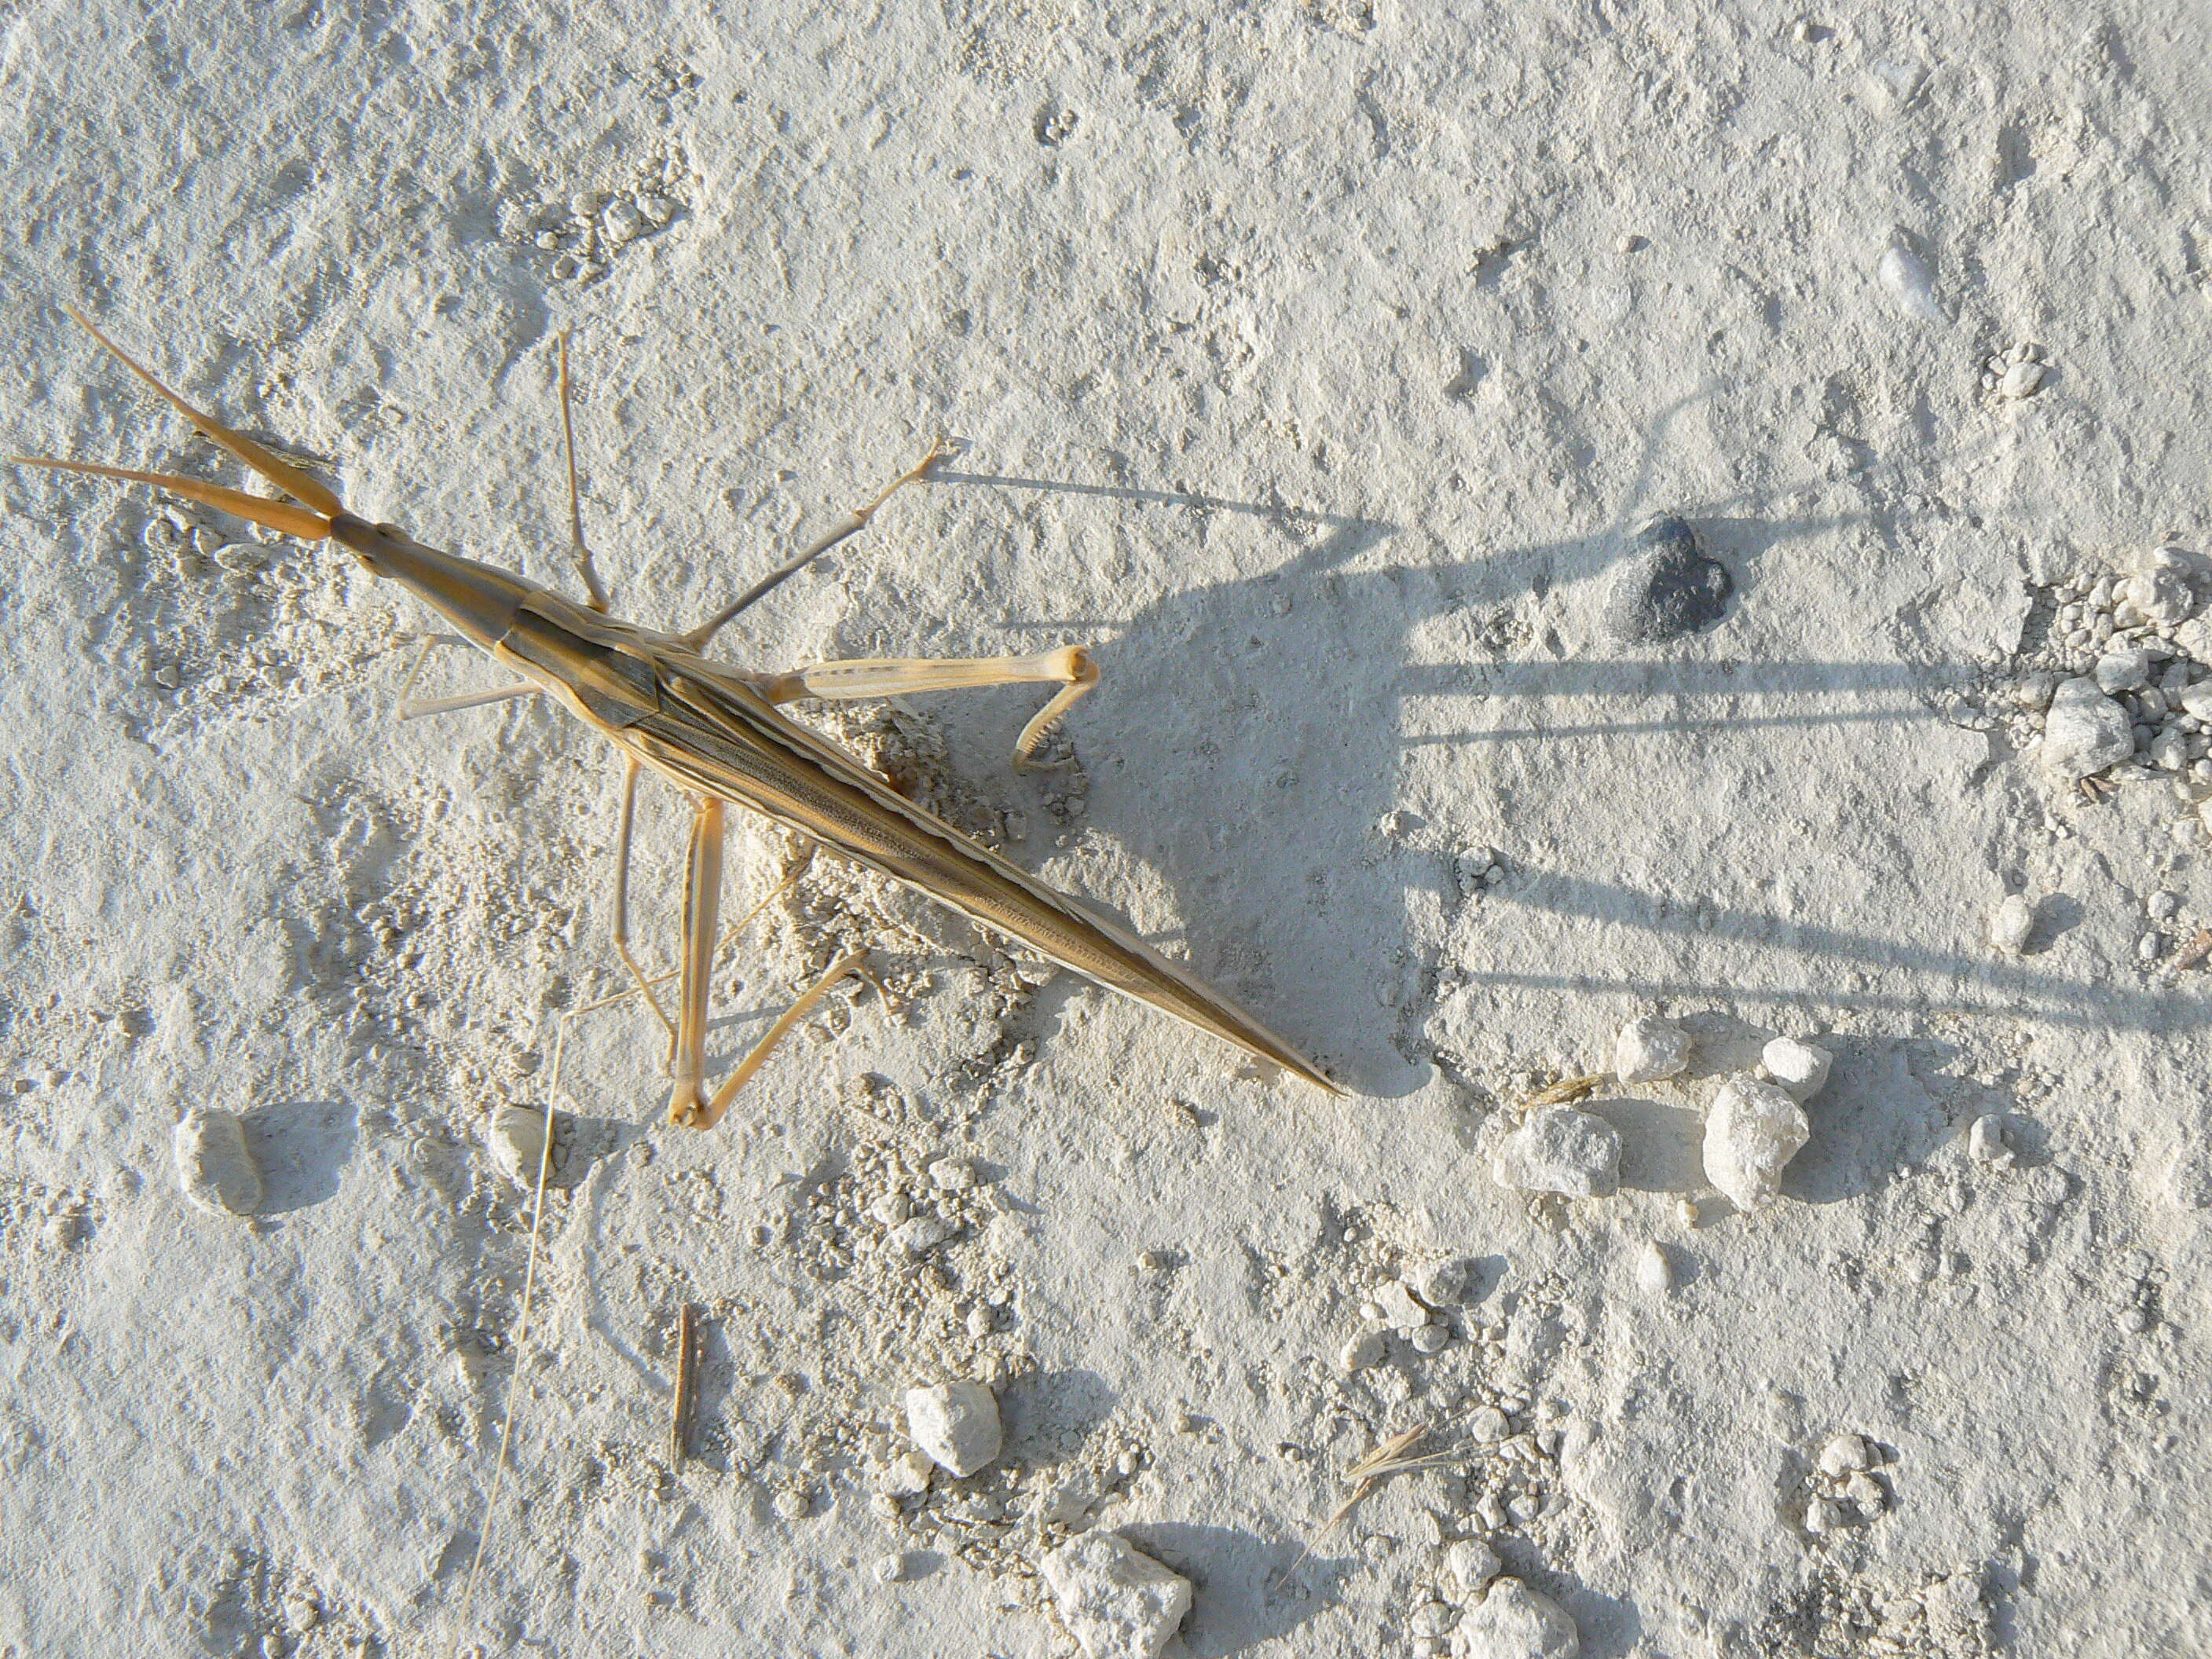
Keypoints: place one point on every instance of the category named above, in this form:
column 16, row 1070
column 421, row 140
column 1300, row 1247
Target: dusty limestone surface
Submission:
column 1319, row 363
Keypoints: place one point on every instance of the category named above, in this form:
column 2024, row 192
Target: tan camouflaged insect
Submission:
column 715, row 733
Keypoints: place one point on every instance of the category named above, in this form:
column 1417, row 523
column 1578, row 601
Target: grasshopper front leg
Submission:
column 1072, row 667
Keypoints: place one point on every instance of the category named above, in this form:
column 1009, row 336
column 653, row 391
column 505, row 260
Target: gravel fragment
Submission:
column 1116, row 1601
column 956, row 1423
column 2122, row 671
column 1751, row 1133
column 1560, row 1150
column 1650, row 1048
column 1515, row 1622
column 2011, row 923
column 1985, row 1141
column 1655, row 1274
column 1845, row 1454
column 2085, row 731
column 215, row 1167
column 1361, row 1352
column 1469, row 1565
column 1802, row 1068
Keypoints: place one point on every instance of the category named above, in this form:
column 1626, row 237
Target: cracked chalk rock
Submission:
column 1751, row 1133
column 1116, row 1601
column 1515, row 1622
column 2085, row 731
column 1649, row 1050
column 956, row 1423
column 215, row 1166
column 1667, row 588
column 1560, row 1150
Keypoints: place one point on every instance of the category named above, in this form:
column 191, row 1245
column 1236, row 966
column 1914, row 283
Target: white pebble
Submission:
column 1845, row 1454
column 2085, row 731
column 920, row 1234
column 1515, row 1622
column 2011, row 923
column 1751, row 1133
column 1443, row 1284
column 1430, row 1619
column 1911, row 285
column 1116, row 1602
column 214, row 1165
column 889, row 1569
column 658, row 210
column 623, row 221
column 1360, row 1352
column 891, row 1208
column 1824, row 1515
column 906, row 1474
column 1560, row 1150
column 516, row 1135
column 2122, row 671
column 1865, row 1495
column 1430, row 1339
column 1800, row 1067
column 1650, row 1048
column 953, row 1175
column 956, row 1423
column 1400, row 1311
column 2021, row 379
column 1488, row 1425
column 1654, row 1272
column 2163, row 905
column 1985, row 1140
column 1469, row 1565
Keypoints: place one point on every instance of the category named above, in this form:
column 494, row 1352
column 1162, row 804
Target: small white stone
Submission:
column 1488, row 1425
column 1801, row 1068
column 1654, row 1272
column 516, row 1136
column 2162, row 592
column 1361, row 1351
column 1911, row 285
column 1864, row 1494
column 2122, row 671
column 953, row 1175
column 907, row 1474
column 1560, row 1150
column 1824, row 1515
column 1469, row 1565
column 956, row 1423
column 2085, row 731
column 1751, row 1133
column 891, row 1208
column 1430, row 1339
column 2011, row 923
column 1985, row 1140
column 658, row 210
column 1430, row 1619
column 1117, row 1603
column 1650, row 1048
column 920, row 1235
column 1443, row 1284
column 1845, row 1454
column 623, row 221
column 2020, row 380
column 1400, row 1310
column 214, row 1165
column 2162, row 906
column 1515, row 1622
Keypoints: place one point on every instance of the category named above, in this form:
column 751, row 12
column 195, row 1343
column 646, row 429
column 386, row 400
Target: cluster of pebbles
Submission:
column 1754, row 1125
column 2115, row 681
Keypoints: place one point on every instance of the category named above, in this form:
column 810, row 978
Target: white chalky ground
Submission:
column 1320, row 364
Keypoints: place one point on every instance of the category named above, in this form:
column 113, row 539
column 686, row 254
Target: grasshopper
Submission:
column 715, row 732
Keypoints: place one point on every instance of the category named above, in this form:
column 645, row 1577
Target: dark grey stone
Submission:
column 1667, row 588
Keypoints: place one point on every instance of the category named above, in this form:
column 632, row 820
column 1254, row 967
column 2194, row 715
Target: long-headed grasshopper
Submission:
column 714, row 732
